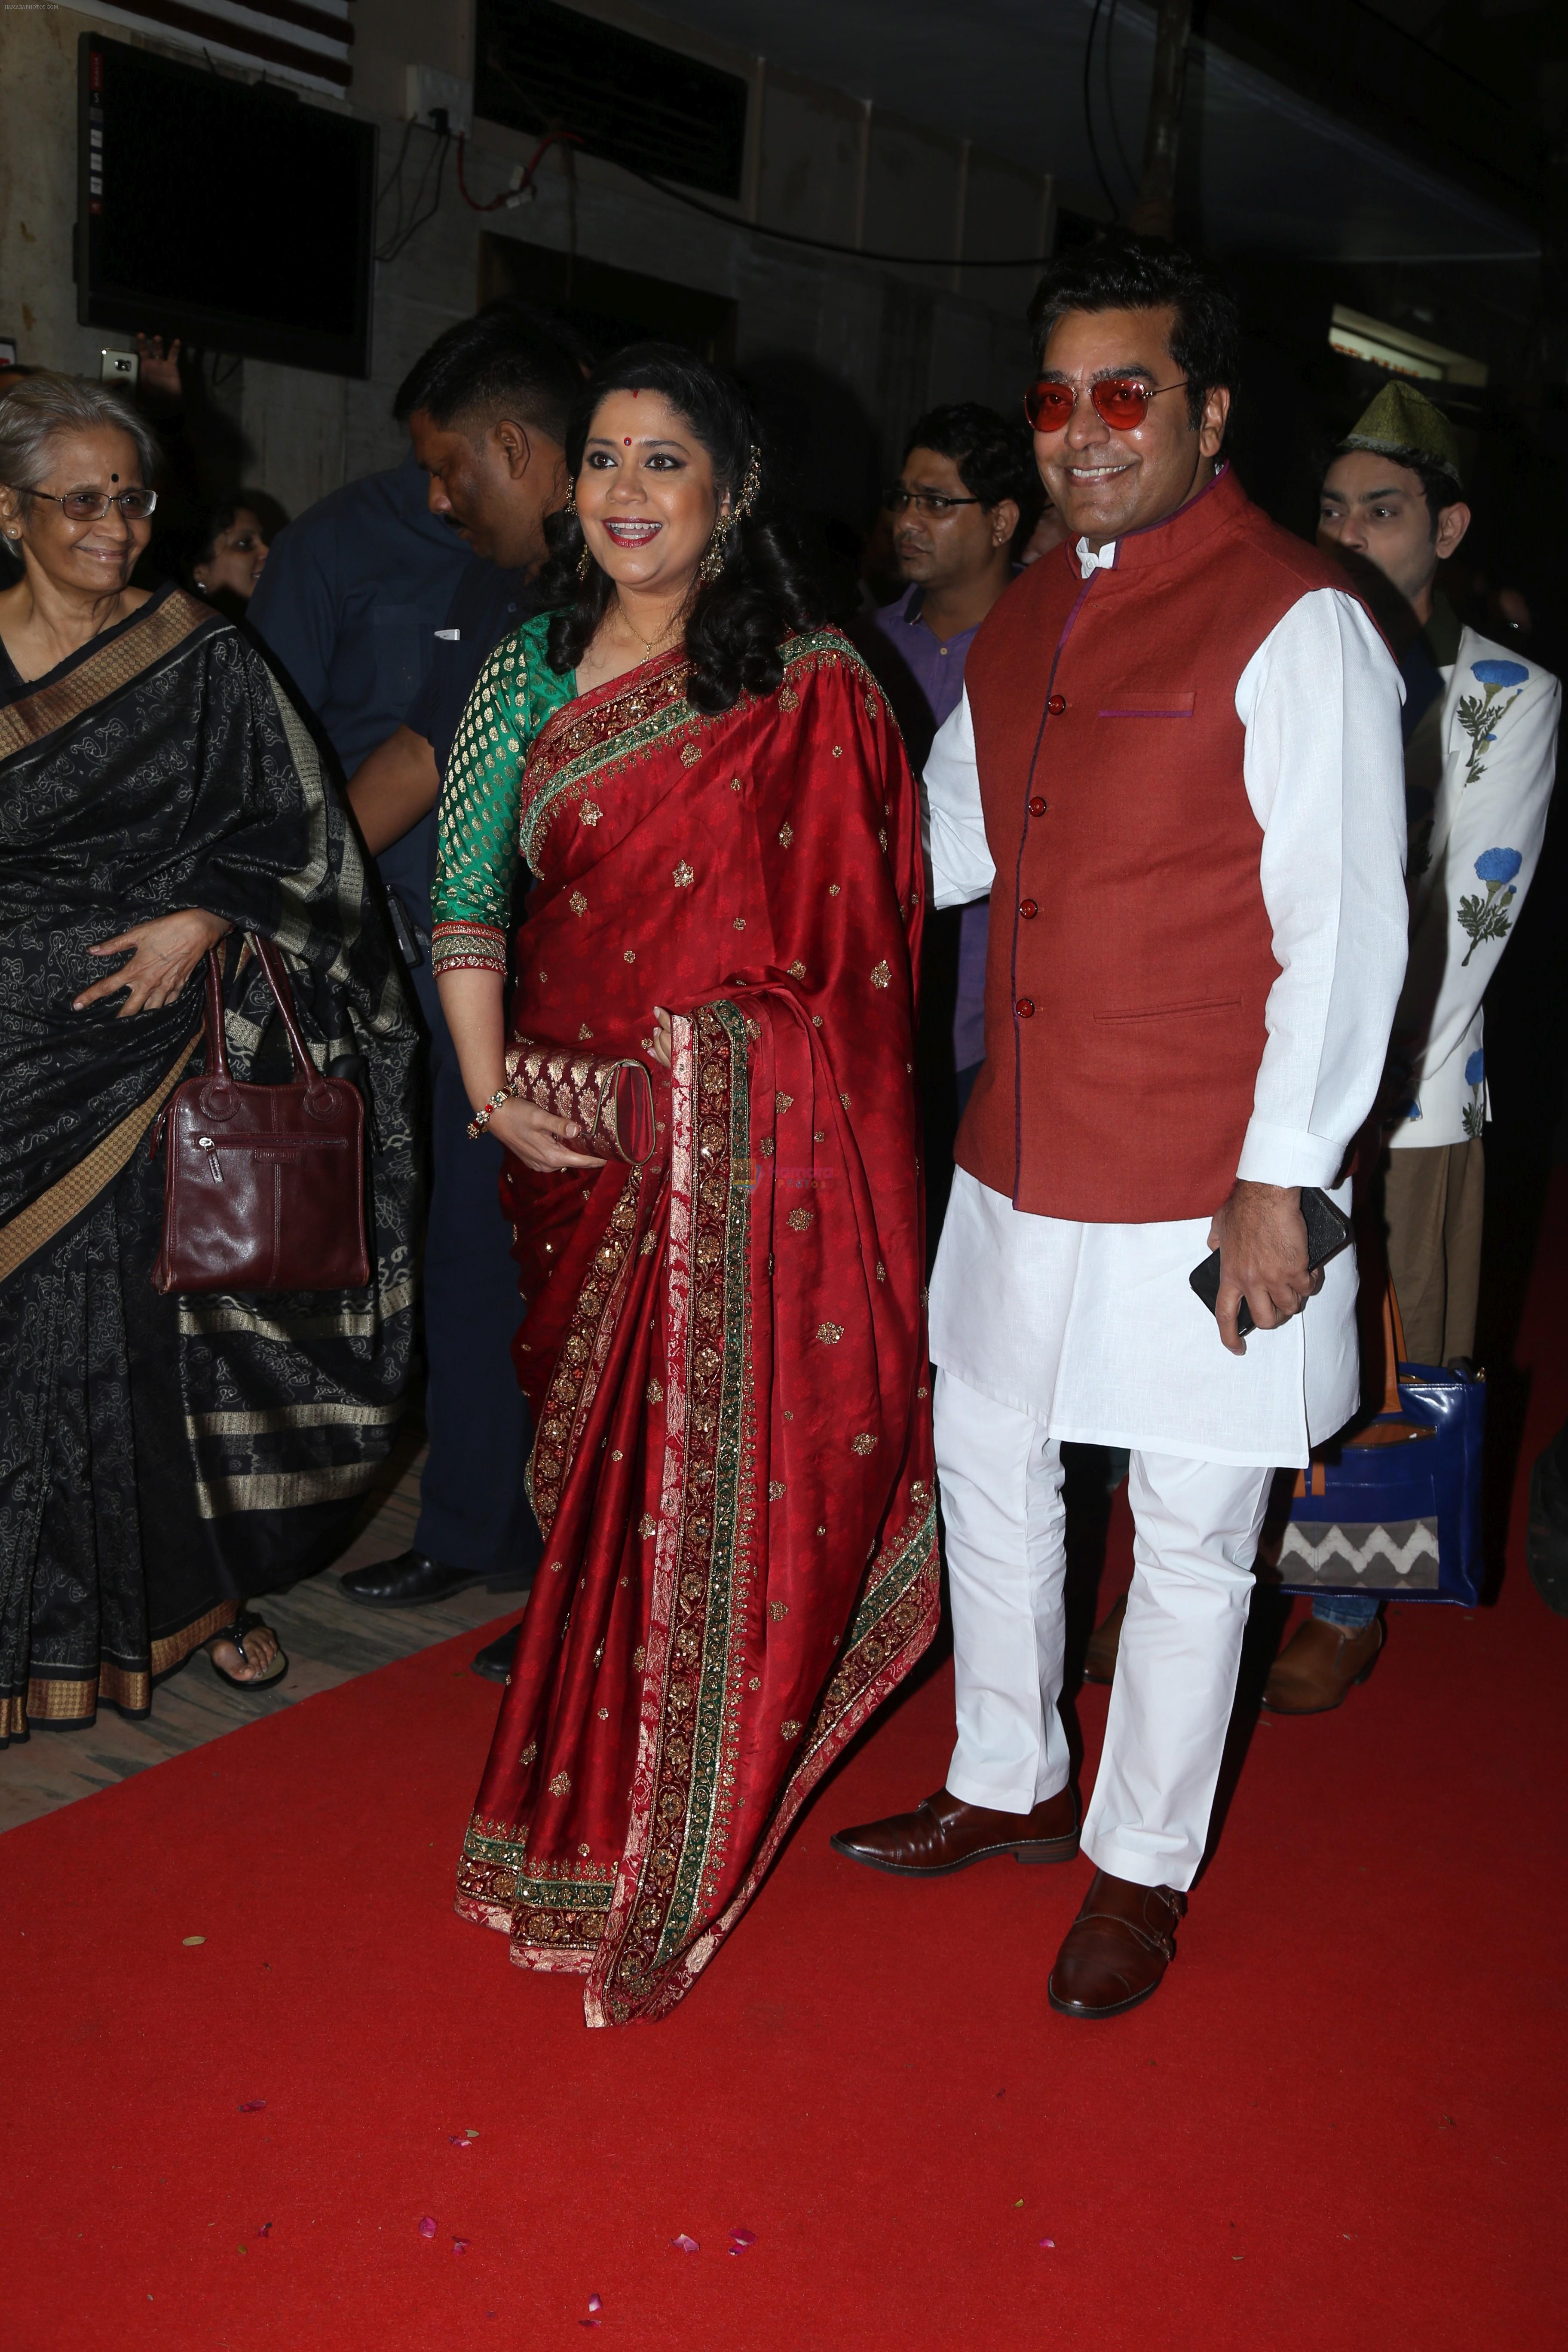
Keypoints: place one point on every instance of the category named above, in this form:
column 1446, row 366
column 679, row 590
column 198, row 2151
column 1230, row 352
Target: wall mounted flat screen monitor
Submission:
column 228, row 212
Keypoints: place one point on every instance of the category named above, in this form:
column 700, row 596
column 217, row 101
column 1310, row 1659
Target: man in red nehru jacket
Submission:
column 1178, row 757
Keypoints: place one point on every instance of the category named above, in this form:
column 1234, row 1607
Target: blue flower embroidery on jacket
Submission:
column 1475, row 1112
column 1487, row 919
column 1477, row 715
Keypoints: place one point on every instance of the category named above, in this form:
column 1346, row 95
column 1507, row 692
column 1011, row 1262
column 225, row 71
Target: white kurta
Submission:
column 1092, row 1329
column 1496, row 761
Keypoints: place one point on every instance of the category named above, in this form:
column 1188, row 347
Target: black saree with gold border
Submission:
column 164, row 1457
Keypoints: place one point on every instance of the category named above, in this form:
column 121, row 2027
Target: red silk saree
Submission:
column 726, row 1349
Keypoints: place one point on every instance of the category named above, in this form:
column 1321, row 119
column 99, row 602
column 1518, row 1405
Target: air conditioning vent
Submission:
column 539, row 67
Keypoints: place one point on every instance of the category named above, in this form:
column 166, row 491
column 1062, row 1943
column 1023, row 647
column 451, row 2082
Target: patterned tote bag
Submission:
column 1395, row 1509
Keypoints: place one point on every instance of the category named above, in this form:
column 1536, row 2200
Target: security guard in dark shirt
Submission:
column 352, row 594
column 487, row 409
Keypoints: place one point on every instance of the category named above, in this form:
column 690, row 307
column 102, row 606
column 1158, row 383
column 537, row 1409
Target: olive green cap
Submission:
column 1402, row 418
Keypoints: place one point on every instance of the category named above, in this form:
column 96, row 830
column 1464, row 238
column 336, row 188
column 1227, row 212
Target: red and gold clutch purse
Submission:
column 612, row 1102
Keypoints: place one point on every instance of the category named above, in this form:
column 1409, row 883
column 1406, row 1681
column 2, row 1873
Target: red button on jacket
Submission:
column 1025, row 1008
column 1036, row 806
column 1056, row 704
column 1028, row 908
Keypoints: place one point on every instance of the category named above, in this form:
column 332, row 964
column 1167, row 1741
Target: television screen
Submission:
column 228, row 212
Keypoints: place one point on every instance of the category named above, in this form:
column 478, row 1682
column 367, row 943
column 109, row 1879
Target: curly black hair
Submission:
column 736, row 623
column 995, row 456
column 1124, row 272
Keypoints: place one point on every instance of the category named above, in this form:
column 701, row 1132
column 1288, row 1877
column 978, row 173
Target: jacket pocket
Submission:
column 1150, row 706
column 1173, row 1011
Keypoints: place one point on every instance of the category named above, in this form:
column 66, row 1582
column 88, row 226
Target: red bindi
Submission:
column 629, row 440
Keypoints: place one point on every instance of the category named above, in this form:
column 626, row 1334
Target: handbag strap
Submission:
column 272, row 964
column 1393, row 1349
column 216, row 1042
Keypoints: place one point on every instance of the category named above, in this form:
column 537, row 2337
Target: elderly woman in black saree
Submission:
column 163, row 1458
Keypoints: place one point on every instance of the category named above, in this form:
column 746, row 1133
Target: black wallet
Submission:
column 1328, row 1233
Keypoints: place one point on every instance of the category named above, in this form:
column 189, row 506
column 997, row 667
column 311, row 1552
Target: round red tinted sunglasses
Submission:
column 1119, row 400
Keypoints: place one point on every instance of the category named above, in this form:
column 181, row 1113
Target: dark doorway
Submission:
column 608, row 307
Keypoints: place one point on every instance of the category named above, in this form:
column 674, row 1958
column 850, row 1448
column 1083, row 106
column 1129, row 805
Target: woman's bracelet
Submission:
column 482, row 1119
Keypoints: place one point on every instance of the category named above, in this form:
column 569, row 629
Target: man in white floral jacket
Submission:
column 1480, row 739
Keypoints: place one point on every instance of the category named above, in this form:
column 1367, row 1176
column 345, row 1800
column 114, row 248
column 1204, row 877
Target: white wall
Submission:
column 862, row 347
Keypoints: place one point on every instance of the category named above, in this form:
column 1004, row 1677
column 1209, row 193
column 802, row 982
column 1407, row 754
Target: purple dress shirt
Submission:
column 938, row 670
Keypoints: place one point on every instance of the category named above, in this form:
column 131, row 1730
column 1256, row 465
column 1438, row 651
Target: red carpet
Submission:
column 1339, row 2125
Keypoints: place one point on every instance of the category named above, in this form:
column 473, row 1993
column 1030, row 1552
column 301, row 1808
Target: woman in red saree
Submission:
column 725, row 1346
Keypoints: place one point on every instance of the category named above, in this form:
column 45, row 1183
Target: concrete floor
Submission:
column 328, row 1637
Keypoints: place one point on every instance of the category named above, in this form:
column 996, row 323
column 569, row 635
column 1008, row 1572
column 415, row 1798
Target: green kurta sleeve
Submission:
column 477, row 822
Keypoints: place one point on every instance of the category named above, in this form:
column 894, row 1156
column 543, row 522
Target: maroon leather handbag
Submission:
column 263, row 1186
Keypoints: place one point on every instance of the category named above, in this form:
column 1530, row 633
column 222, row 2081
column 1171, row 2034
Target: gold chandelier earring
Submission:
column 584, row 562
column 712, row 562
column 714, row 559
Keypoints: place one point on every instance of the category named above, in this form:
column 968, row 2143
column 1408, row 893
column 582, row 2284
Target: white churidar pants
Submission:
column 1196, row 1534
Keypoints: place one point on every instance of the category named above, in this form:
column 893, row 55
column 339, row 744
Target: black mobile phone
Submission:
column 404, row 933
column 1328, row 1233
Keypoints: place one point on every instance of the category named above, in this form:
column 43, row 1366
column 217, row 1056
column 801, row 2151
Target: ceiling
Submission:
column 1260, row 168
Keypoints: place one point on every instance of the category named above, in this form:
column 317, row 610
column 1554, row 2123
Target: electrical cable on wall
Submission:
column 1122, row 156
column 825, row 244
column 522, row 187
column 759, row 228
column 1089, row 111
column 401, row 236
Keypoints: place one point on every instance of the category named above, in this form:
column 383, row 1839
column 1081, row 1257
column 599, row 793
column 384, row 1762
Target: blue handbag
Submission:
column 1395, row 1509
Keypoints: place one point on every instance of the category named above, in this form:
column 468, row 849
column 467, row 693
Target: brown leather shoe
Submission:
column 1117, row 1949
column 943, row 1833
column 1318, row 1664
column 1104, row 1643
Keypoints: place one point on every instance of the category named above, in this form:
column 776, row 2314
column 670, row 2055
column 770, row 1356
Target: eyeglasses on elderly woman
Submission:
column 91, row 506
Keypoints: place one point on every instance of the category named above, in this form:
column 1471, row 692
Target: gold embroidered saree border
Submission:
column 582, row 740
column 32, row 716
column 61, row 1699
column 683, row 1788
column 893, row 1627
column 553, row 1912
column 574, row 1959
column 29, row 1230
column 578, row 1367
column 665, row 1921
column 578, row 743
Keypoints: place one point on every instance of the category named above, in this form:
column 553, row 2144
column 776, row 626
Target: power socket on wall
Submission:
column 431, row 93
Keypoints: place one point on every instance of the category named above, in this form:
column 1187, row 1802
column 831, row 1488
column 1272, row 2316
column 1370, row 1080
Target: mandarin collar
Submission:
column 1152, row 543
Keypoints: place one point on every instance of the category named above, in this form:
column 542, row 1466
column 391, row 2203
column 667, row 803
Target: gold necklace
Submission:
column 647, row 646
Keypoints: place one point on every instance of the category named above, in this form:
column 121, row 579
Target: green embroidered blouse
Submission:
column 477, row 822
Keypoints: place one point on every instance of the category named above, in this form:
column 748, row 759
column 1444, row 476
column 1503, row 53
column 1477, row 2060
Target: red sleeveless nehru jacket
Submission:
column 1129, row 956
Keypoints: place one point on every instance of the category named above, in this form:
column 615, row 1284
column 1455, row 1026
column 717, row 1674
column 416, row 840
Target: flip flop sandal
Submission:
column 245, row 1622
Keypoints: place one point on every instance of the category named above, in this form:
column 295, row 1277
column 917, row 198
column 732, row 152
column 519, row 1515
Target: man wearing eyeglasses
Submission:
column 968, row 494
column 1178, row 757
